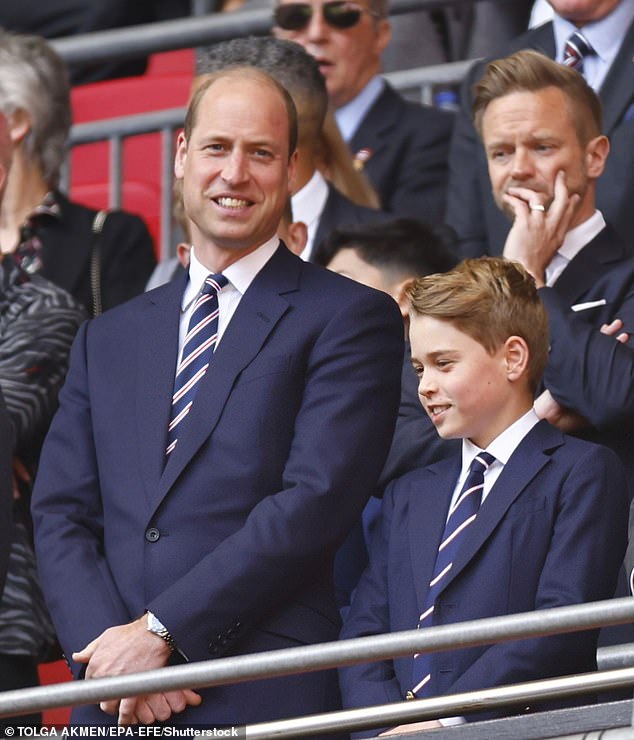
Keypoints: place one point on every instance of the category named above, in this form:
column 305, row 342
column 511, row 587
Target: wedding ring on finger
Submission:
column 537, row 207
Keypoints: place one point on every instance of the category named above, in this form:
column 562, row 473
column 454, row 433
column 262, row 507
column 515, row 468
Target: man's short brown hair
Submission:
column 244, row 72
column 490, row 299
column 530, row 71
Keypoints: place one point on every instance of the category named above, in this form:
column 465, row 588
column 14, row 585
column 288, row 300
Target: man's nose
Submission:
column 522, row 164
column 235, row 168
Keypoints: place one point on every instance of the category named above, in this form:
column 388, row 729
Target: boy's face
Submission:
column 465, row 390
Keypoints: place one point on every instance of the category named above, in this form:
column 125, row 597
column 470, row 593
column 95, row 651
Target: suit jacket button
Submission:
column 213, row 649
column 152, row 534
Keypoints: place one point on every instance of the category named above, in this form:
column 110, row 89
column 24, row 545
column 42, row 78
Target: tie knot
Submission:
column 482, row 461
column 214, row 283
column 577, row 47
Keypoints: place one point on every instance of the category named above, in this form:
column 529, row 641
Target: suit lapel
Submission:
column 616, row 92
column 372, row 131
column 260, row 309
column 157, row 350
column 429, row 498
column 525, row 463
column 582, row 273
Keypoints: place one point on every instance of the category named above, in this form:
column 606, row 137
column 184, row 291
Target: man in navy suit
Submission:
column 542, row 526
column 222, row 544
column 541, row 127
column 608, row 25
column 400, row 145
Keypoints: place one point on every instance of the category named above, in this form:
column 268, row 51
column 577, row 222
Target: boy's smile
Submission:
column 466, row 391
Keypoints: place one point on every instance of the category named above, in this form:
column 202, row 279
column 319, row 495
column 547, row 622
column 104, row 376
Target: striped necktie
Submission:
column 198, row 347
column 462, row 513
column 577, row 47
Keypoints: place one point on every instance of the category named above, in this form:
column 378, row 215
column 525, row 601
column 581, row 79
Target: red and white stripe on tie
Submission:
column 198, row 348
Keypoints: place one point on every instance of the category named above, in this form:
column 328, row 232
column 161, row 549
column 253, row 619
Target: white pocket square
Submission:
column 589, row 304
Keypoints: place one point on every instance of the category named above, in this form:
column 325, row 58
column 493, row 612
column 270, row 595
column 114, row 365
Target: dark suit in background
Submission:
column 551, row 532
column 338, row 211
column 602, row 271
column 231, row 542
column 408, row 146
column 481, row 227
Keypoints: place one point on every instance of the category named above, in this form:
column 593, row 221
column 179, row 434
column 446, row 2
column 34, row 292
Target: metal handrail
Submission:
column 183, row 33
column 243, row 668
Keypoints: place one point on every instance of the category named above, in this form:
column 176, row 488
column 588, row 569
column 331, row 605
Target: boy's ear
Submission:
column 516, row 356
column 400, row 296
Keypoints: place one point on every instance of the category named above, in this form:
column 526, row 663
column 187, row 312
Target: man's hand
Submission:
column 538, row 229
column 130, row 648
column 613, row 329
column 564, row 419
column 429, row 724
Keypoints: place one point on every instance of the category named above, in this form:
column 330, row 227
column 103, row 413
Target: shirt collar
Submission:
column 505, row 444
column 308, row 205
column 240, row 274
column 577, row 238
column 350, row 115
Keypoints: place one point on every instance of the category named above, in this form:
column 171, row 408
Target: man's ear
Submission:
column 516, row 357
column 181, row 156
column 18, row 125
column 597, row 151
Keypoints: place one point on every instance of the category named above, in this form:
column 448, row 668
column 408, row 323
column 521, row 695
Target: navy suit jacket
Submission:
column 231, row 542
column 481, row 227
column 581, row 373
column 408, row 146
column 551, row 532
column 340, row 211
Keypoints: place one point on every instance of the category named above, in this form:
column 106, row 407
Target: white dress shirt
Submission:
column 308, row 204
column 240, row 275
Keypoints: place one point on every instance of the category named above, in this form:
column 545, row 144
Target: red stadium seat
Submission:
column 141, row 154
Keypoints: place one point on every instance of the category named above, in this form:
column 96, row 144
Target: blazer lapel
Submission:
column 157, row 351
column 616, row 92
column 525, row 463
column 581, row 274
column 372, row 132
column 259, row 310
column 428, row 506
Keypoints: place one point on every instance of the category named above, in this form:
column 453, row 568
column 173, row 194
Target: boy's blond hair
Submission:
column 490, row 299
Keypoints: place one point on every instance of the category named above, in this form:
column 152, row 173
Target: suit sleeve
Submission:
column 68, row 525
column 587, row 371
column 341, row 438
column 369, row 684
column 582, row 563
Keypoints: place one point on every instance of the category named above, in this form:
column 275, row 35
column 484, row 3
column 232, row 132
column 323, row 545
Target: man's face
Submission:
column 464, row 390
column 235, row 168
column 348, row 57
column 528, row 137
column 581, row 12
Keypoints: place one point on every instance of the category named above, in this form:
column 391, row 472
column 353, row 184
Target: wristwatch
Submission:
column 157, row 627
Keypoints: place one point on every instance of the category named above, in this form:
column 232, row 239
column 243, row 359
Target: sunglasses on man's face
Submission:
column 338, row 14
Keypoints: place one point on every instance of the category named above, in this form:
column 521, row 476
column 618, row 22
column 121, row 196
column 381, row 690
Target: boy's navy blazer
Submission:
column 230, row 543
column 551, row 532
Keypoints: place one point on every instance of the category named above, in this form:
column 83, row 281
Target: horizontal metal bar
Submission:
column 388, row 715
column 182, row 33
column 243, row 668
column 141, row 123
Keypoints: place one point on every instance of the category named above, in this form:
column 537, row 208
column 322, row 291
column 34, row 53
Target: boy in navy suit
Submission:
column 528, row 518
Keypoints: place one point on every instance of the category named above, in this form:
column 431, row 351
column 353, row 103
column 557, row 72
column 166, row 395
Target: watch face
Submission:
column 153, row 623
